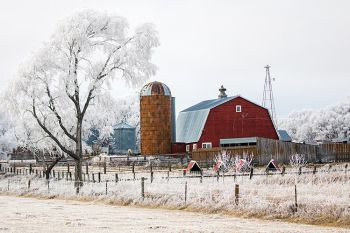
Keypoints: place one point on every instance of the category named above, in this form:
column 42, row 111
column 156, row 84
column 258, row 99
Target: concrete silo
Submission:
column 157, row 109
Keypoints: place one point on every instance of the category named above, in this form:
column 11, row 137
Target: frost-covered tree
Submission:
column 129, row 112
column 6, row 141
column 324, row 124
column 65, row 88
column 297, row 160
column 225, row 160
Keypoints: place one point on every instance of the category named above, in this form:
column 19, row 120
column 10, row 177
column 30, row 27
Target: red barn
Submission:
column 224, row 122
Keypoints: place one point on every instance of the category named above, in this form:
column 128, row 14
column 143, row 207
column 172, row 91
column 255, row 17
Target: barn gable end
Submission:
column 223, row 118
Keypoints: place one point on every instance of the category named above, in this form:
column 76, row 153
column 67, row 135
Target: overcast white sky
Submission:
column 205, row 44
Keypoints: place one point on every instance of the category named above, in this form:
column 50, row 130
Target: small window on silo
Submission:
column 238, row 108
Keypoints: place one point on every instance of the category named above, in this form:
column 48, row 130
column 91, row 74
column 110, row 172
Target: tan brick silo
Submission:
column 156, row 113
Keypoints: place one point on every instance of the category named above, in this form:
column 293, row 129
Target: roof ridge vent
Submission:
column 222, row 92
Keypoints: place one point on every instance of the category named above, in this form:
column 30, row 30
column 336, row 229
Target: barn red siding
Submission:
column 224, row 122
column 178, row 148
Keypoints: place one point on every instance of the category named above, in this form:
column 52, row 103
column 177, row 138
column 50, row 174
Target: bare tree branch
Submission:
column 52, row 107
column 70, row 153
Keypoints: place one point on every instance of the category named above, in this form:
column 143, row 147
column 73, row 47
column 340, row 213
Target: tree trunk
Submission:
column 78, row 162
column 51, row 166
column 47, row 174
column 78, row 173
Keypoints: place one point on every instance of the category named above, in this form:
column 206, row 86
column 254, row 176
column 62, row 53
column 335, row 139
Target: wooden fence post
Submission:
column 314, row 170
column 299, row 170
column 87, row 168
column 346, row 168
column 93, row 178
column 116, row 177
column 295, row 198
column 68, row 168
column 48, row 186
column 251, row 173
column 143, row 188
column 99, row 177
column 283, row 170
column 217, row 176
column 105, row 167
column 106, row 187
column 59, row 176
column 151, row 177
column 28, row 185
column 169, row 164
column 236, row 194
column 30, row 169
column 185, row 192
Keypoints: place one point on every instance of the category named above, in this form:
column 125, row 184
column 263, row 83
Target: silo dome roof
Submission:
column 123, row 125
column 155, row 88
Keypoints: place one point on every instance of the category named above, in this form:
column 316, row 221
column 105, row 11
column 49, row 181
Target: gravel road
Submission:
column 34, row 215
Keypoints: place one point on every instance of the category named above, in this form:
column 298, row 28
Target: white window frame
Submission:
column 238, row 108
column 187, row 148
column 207, row 145
column 194, row 146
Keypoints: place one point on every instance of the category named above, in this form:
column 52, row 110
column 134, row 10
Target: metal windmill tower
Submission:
column 268, row 101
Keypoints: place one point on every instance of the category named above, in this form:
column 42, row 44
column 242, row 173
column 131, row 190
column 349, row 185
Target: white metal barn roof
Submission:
column 191, row 121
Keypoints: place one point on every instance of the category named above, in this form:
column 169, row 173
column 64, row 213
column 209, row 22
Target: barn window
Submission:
column 238, row 108
column 194, row 146
column 187, row 148
column 206, row 145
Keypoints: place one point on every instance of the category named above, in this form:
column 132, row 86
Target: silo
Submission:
column 123, row 139
column 157, row 119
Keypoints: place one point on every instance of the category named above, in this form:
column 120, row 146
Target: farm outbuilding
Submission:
column 223, row 122
column 123, row 139
column 193, row 167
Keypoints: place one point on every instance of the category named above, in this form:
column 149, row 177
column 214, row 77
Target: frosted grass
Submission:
column 322, row 197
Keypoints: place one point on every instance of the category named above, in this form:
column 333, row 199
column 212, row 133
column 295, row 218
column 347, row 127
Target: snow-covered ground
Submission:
column 33, row 215
column 322, row 198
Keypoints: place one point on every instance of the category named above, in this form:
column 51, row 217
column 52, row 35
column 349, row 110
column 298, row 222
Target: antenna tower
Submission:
column 268, row 101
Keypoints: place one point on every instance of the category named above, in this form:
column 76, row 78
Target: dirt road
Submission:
column 33, row 215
